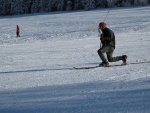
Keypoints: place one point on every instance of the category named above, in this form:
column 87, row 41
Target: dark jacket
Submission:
column 108, row 37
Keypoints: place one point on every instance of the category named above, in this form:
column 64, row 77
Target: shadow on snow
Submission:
column 34, row 70
column 96, row 97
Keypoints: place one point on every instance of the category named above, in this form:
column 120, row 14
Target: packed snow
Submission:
column 37, row 72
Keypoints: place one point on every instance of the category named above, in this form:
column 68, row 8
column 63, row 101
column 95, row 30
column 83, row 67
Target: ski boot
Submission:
column 104, row 64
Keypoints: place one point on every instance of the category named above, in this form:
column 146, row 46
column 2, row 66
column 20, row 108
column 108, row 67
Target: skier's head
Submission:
column 102, row 25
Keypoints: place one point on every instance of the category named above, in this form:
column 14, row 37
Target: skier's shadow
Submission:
column 35, row 70
column 40, row 70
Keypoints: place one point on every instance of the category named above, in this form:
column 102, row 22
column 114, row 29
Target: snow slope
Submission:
column 36, row 69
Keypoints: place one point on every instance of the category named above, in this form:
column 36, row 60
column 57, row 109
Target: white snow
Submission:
column 36, row 69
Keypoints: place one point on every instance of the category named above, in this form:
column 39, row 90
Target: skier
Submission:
column 18, row 31
column 108, row 45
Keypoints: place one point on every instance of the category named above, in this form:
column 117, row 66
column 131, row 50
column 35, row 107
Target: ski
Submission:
column 86, row 67
column 91, row 67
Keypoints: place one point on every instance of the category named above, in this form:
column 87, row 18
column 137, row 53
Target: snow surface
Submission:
column 36, row 69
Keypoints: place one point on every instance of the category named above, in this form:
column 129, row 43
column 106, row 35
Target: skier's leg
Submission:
column 110, row 58
column 101, row 52
column 17, row 34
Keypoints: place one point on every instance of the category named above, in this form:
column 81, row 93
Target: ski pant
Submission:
column 109, row 51
column 17, row 33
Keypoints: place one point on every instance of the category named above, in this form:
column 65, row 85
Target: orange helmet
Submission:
column 102, row 24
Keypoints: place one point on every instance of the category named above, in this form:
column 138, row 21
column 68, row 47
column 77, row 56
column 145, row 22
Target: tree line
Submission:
column 14, row 7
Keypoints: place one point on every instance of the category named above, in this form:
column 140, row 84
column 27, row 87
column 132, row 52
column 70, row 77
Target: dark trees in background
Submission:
column 14, row 7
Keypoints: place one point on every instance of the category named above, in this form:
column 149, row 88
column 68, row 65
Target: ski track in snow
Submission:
column 36, row 69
